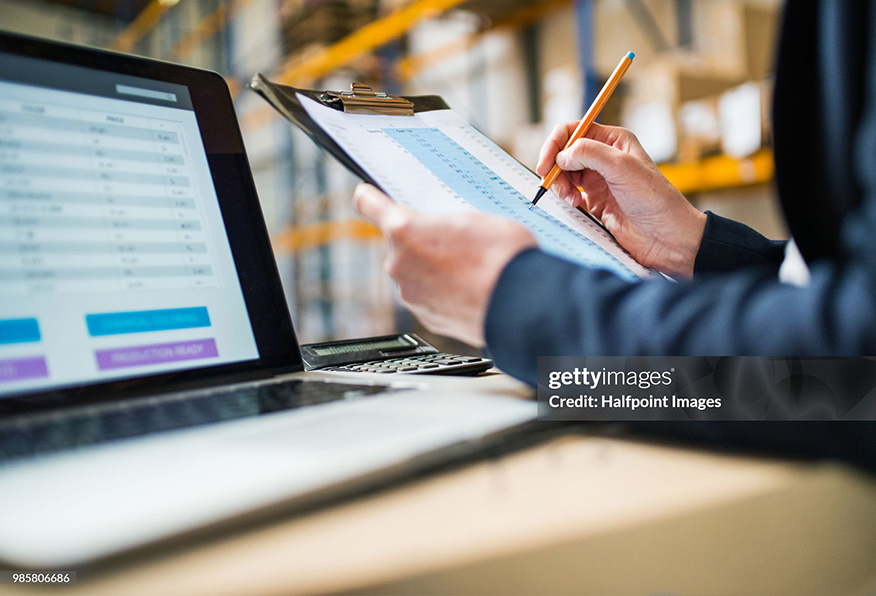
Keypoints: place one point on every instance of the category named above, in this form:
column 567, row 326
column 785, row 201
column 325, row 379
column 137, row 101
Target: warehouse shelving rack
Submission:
column 376, row 49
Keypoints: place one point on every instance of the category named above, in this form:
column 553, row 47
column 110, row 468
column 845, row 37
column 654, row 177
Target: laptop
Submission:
column 151, row 381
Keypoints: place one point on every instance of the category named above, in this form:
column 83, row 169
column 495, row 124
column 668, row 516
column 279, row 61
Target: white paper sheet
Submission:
column 436, row 162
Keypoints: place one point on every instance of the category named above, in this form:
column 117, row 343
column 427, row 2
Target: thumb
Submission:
column 590, row 154
column 373, row 205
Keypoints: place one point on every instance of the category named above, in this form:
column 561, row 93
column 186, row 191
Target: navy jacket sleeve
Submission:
column 545, row 306
column 729, row 245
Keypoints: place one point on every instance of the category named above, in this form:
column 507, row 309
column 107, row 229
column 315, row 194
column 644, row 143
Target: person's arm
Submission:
column 728, row 245
column 543, row 306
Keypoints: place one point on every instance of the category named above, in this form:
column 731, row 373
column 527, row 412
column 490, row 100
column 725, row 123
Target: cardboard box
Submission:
column 761, row 32
column 740, row 115
column 766, row 112
column 306, row 24
column 654, row 99
column 699, row 129
column 617, row 32
column 735, row 38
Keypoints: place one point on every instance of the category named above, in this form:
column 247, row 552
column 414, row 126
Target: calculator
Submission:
column 404, row 353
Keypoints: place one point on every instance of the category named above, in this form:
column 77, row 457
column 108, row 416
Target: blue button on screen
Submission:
column 19, row 331
column 118, row 323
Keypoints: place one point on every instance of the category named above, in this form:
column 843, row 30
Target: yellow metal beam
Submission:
column 145, row 21
column 721, row 172
column 373, row 35
column 302, row 238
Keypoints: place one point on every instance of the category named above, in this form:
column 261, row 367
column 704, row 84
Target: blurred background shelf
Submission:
column 697, row 97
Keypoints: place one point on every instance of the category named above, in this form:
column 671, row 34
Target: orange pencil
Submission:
column 587, row 120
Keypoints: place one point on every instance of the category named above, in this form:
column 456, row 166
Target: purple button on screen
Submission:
column 21, row 369
column 156, row 354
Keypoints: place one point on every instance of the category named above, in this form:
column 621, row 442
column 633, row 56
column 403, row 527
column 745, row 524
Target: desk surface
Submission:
column 578, row 514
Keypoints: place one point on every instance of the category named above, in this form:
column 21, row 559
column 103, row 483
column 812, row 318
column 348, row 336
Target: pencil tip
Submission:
column 538, row 195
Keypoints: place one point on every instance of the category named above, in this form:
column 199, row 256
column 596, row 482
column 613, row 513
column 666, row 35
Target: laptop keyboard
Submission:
column 43, row 433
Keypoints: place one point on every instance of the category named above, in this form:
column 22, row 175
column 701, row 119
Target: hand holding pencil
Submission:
column 606, row 170
column 587, row 120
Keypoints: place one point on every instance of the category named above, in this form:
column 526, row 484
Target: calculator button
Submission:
column 449, row 362
column 406, row 368
column 428, row 365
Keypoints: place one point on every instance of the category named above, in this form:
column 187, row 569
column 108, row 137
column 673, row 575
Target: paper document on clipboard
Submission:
column 434, row 161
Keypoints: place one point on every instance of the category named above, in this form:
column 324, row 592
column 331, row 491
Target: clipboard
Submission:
column 368, row 133
column 360, row 99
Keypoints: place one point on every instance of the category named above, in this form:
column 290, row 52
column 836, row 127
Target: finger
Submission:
column 575, row 177
column 370, row 203
column 378, row 208
column 561, row 186
column 560, row 136
column 619, row 138
column 572, row 195
column 597, row 196
column 595, row 155
column 603, row 133
column 553, row 145
column 566, row 190
column 575, row 198
column 614, row 136
column 592, row 182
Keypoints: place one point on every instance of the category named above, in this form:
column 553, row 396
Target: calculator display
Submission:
column 386, row 344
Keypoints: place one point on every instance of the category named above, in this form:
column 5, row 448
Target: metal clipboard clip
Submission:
column 362, row 99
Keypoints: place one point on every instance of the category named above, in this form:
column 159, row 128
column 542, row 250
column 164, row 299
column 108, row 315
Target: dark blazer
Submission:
column 825, row 145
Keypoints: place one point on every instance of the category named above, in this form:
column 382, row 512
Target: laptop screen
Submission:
column 114, row 259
